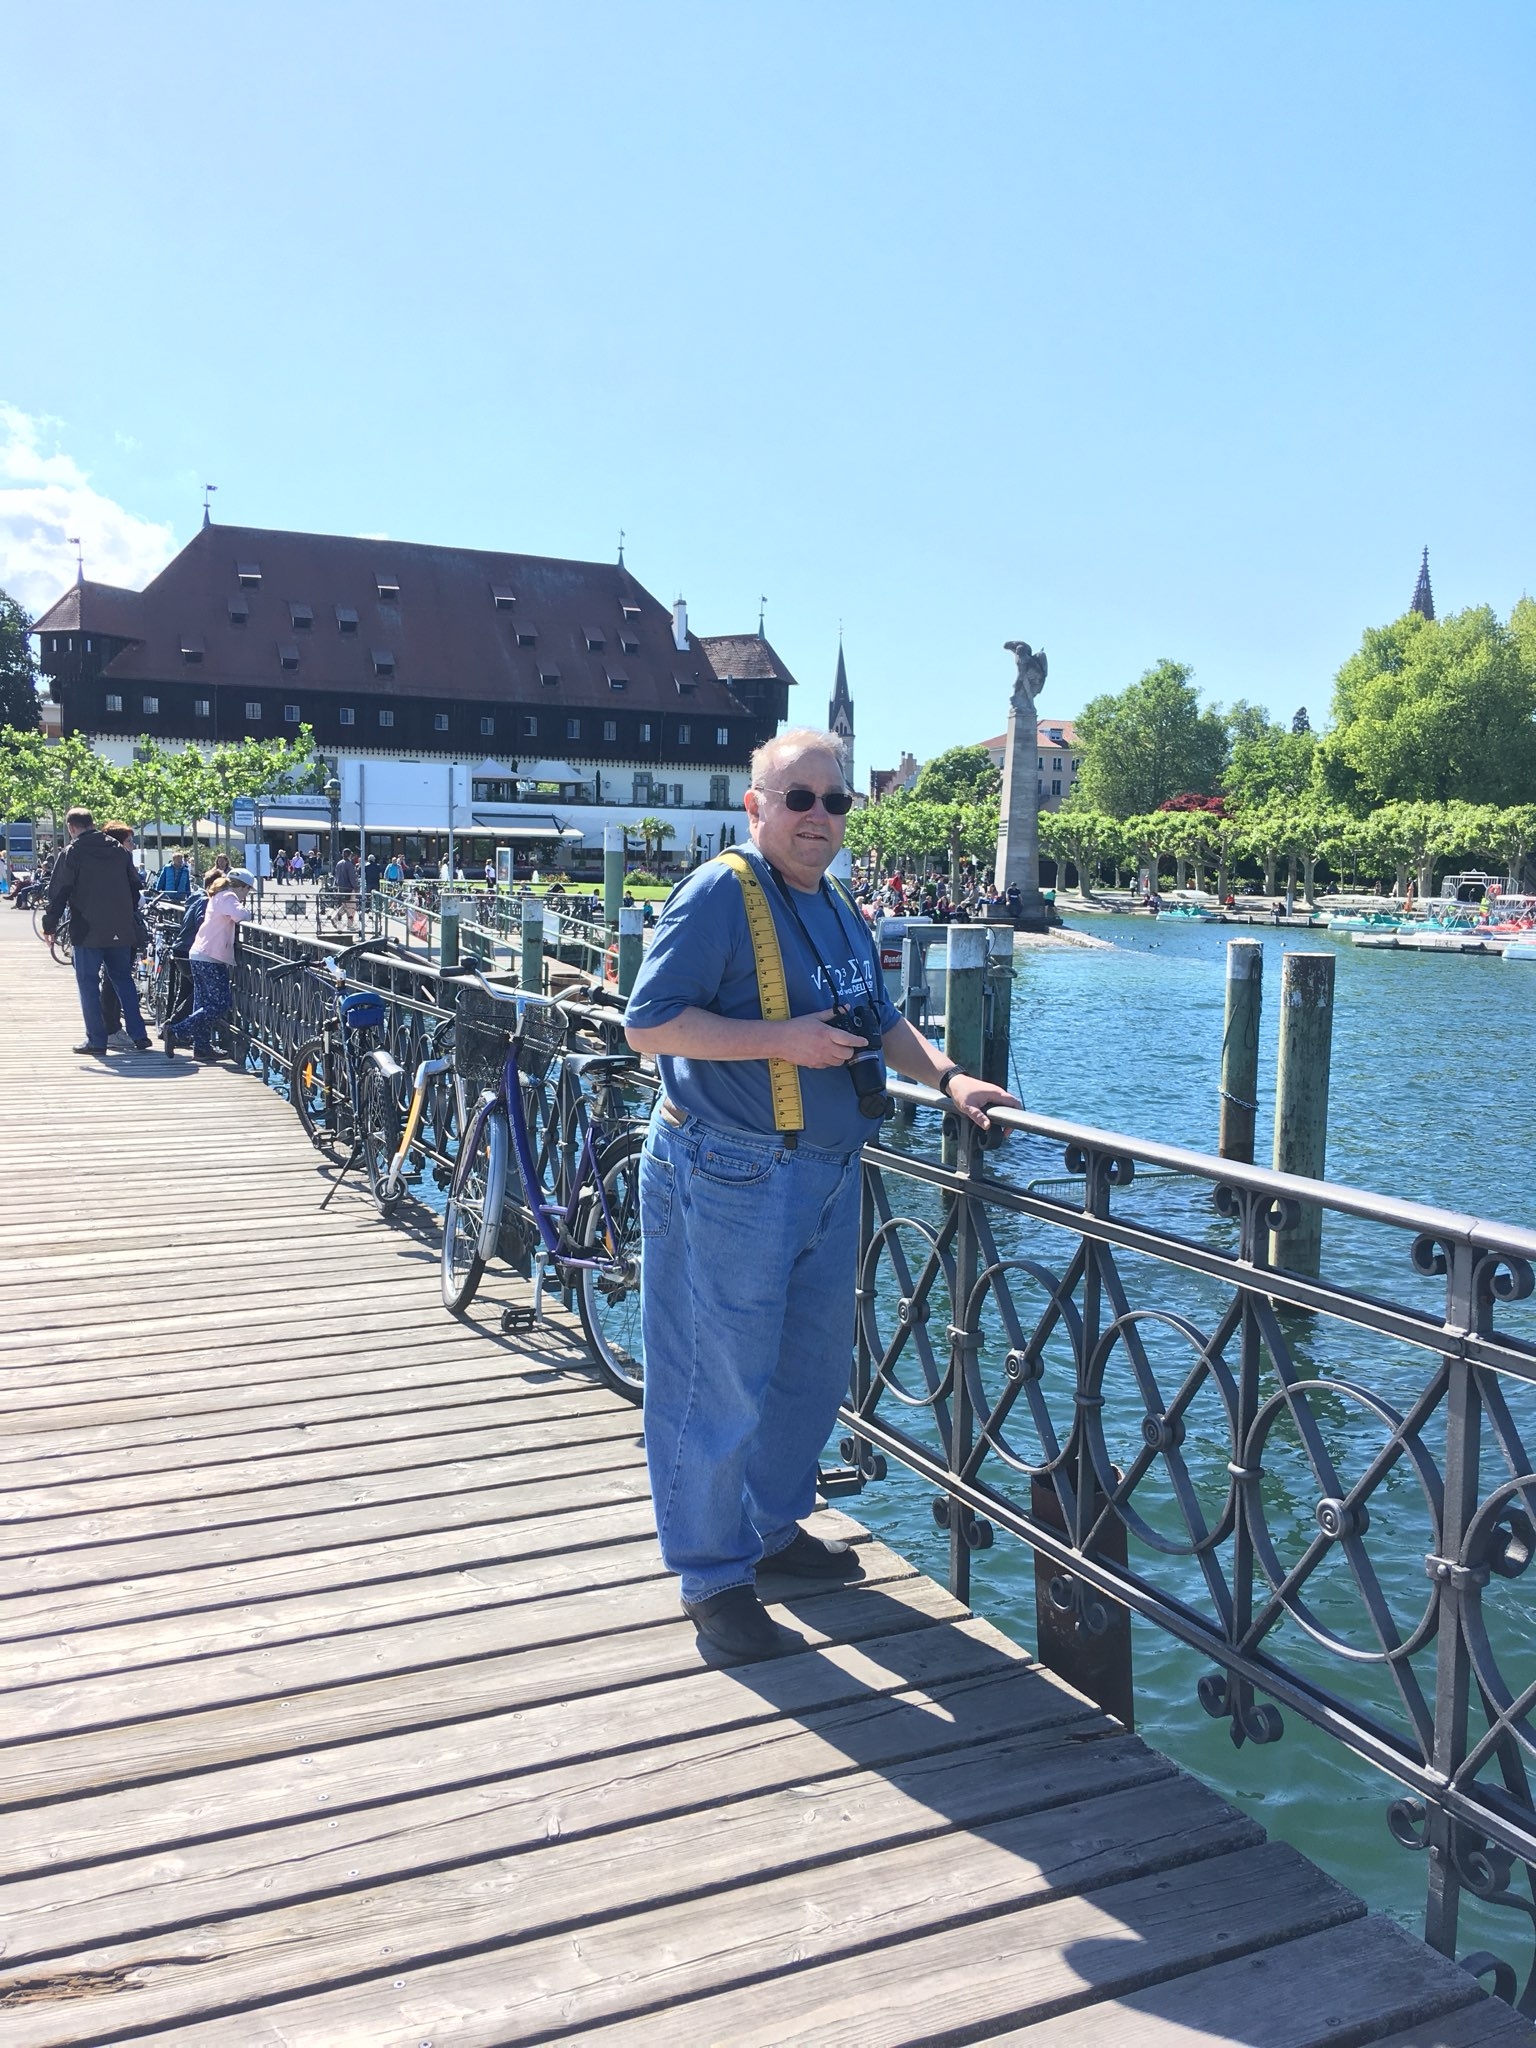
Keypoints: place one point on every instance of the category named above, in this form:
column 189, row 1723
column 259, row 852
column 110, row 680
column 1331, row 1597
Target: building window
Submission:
column 594, row 639
column 303, row 617
column 249, row 574
column 1039, row 760
column 439, row 721
column 573, row 728
column 388, row 588
column 720, row 792
column 239, row 611
column 549, row 677
column 610, row 728
column 383, row 661
column 151, row 706
column 685, row 735
column 290, row 714
column 1040, row 788
column 386, row 718
column 722, row 735
column 1074, row 764
column 630, row 611
column 526, row 633
column 1056, row 786
column 530, row 728
column 252, row 709
column 686, row 685
column 201, row 707
column 618, row 682
column 114, row 703
column 645, row 733
column 191, row 647
column 487, row 727
column 628, row 642
column 502, row 597
column 1056, row 764
column 346, row 715
column 288, row 655
column 346, row 619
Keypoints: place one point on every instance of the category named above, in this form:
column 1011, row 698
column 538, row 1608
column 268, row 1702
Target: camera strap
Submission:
column 772, row 995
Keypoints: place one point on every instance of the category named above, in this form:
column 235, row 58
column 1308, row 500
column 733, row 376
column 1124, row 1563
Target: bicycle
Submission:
column 326, row 1069
column 433, row 1122
column 585, row 1229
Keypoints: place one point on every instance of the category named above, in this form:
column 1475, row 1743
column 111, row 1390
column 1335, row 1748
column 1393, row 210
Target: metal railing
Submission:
column 1326, row 1493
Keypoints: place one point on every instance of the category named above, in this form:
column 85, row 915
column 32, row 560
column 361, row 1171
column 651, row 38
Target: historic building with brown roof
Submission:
column 399, row 653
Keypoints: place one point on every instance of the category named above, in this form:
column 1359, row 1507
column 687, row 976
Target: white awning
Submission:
column 550, row 771
column 522, row 829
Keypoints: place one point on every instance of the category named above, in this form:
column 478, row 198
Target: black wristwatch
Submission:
column 948, row 1075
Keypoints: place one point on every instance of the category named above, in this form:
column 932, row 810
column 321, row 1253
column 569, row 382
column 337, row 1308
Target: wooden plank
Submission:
column 1344, row 1986
column 534, row 1905
column 843, row 1698
column 685, row 1820
column 1487, row 2024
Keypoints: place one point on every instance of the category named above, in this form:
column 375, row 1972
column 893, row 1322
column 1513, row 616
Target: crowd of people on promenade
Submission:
column 973, row 897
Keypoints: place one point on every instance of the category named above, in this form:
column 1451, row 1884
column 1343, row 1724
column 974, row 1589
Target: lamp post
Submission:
column 333, row 798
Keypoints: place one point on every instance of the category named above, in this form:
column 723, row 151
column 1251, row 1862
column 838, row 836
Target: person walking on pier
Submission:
column 759, row 993
column 96, row 883
column 211, row 957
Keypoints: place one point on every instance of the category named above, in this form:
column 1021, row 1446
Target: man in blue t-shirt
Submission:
column 750, row 1228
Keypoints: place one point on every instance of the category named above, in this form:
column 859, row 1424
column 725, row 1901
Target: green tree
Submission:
column 19, row 710
column 1267, row 762
column 960, row 775
column 1437, row 711
column 1080, row 838
column 653, row 834
column 1150, row 742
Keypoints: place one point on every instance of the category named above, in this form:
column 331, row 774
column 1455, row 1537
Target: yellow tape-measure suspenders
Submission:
column 772, row 994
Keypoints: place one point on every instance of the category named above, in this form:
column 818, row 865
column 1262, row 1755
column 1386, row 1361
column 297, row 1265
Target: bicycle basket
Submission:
column 481, row 1032
column 363, row 1011
column 540, row 1037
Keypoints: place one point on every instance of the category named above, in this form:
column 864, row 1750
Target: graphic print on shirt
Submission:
column 851, row 984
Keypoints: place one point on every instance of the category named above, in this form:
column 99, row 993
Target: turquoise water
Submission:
column 1431, row 1101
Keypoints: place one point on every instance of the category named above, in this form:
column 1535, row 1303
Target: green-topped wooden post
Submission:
column 965, row 982
column 530, row 973
column 631, row 946
column 1240, row 1049
column 448, row 939
column 613, row 873
column 1301, row 1097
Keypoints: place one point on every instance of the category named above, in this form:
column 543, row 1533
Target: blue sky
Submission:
column 1132, row 330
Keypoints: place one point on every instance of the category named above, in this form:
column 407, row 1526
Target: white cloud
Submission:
column 45, row 496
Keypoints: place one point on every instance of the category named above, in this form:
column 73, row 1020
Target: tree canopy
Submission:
column 1149, row 742
column 960, row 775
column 19, row 711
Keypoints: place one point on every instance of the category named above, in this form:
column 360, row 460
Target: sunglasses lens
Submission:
column 835, row 802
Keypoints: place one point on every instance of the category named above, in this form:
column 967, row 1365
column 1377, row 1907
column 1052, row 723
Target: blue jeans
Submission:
column 747, row 1309
column 118, row 961
column 210, row 1001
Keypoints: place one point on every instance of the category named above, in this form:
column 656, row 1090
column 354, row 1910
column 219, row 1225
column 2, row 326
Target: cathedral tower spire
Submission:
column 840, row 716
column 1423, row 596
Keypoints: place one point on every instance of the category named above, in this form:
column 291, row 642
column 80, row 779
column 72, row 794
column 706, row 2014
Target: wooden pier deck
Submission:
column 343, row 1701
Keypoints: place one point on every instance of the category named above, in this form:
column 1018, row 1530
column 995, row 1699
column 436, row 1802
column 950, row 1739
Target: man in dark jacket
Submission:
column 97, row 884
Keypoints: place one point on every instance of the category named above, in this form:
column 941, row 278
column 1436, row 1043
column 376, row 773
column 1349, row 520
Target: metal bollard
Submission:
column 530, row 973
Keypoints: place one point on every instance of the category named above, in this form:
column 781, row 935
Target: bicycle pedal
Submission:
column 518, row 1321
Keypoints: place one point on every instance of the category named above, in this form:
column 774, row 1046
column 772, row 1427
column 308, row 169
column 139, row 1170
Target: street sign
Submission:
column 242, row 813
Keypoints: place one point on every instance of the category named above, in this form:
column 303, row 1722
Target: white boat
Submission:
column 1521, row 949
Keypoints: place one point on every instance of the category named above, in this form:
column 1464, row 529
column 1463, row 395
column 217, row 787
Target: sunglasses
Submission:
column 837, row 803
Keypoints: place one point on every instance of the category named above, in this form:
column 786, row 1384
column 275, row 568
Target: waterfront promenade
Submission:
column 345, row 1701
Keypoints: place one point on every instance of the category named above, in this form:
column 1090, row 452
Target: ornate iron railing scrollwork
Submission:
column 1324, row 1489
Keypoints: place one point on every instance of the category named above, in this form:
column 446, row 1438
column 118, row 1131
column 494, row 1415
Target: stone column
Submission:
column 1018, row 838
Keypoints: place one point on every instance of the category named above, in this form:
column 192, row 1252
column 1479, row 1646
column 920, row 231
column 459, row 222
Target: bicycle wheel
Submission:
column 608, row 1295
column 379, row 1134
column 318, row 1085
column 59, row 945
column 473, row 1209
column 442, row 1125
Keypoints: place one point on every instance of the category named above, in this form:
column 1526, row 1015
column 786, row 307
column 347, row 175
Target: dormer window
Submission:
column 249, row 574
column 303, row 617
column 239, row 611
column 503, row 596
column 686, row 686
column 288, row 654
column 549, row 677
column 193, row 647
column 388, row 588
column 594, row 639
column 628, row 642
column 383, row 661
column 346, row 619
column 527, row 633
column 630, row 611
column 617, row 682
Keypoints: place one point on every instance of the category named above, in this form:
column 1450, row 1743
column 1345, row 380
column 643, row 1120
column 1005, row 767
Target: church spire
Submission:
column 840, row 715
column 1423, row 596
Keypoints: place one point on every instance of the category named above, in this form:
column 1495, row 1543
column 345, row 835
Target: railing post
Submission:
column 530, row 973
column 1240, row 1049
column 613, row 873
column 965, row 978
column 631, row 946
column 1301, row 1098
column 448, row 939
column 999, row 1004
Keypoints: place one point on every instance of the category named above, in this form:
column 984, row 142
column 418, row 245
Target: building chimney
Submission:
column 680, row 626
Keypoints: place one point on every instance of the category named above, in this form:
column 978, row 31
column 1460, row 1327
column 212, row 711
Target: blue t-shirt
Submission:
column 701, row 959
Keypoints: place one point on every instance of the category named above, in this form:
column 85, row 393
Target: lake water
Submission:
column 1431, row 1101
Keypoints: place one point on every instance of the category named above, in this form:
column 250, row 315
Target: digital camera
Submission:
column 866, row 1069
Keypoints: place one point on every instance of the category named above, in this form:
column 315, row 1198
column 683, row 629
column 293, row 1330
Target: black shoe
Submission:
column 736, row 1626
column 209, row 1054
column 97, row 1052
column 168, row 1044
column 807, row 1557
column 141, row 1045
